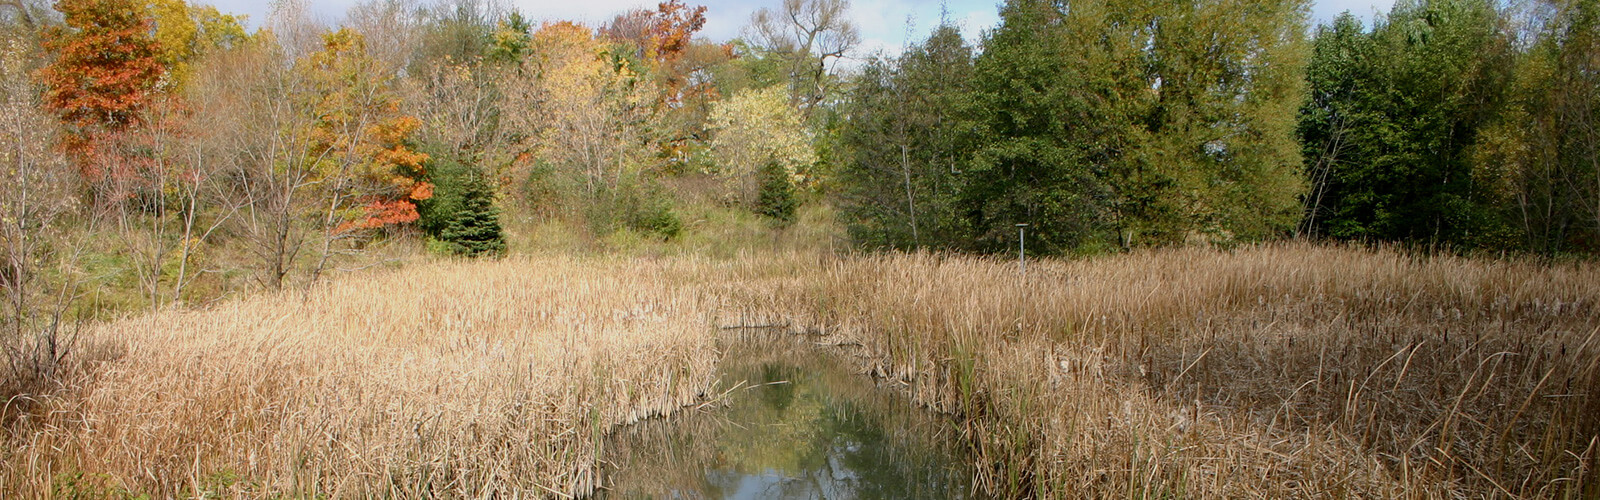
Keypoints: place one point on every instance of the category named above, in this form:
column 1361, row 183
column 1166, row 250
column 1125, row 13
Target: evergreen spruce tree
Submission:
column 461, row 218
column 473, row 229
column 776, row 198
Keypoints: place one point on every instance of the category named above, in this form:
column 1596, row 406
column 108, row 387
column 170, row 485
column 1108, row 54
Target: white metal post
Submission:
column 1022, row 249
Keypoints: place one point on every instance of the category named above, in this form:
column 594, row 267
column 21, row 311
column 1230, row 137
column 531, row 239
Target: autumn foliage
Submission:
column 106, row 72
column 674, row 24
column 187, row 32
column 361, row 137
column 394, row 165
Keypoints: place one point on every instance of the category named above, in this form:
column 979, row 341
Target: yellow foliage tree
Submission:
column 185, row 33
column 755, row 128
column 591, row 109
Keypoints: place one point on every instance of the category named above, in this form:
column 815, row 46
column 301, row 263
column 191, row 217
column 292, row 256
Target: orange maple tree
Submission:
column 359, row 132
column 660, row 35
column 674, row 24
column 399, row 168
column 105, row 74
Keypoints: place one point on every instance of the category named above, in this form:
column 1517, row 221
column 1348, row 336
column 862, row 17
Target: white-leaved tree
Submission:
column 755, row 129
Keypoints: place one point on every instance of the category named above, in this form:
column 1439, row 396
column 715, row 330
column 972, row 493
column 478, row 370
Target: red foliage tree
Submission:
column 661, row 35
column 674, row 24
column 104, row 75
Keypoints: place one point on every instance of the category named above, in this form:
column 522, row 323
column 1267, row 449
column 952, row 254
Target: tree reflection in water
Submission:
column 803, row 425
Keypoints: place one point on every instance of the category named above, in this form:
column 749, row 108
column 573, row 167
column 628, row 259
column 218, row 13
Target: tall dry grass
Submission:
column 1277, row 371
column 469, row 380
column 1280, row 371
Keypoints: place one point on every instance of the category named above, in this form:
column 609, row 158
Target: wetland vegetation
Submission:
column 1281, row 370
column 448, row 248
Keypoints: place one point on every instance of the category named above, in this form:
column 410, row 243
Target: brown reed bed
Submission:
column 1286, row 370
column 456, row 380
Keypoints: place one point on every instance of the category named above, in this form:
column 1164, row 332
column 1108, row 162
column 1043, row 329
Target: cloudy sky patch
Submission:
column 883, row 23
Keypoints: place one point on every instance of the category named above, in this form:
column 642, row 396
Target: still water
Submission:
column 797, row 423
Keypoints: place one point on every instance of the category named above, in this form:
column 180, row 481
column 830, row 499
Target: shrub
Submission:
column 640, row 206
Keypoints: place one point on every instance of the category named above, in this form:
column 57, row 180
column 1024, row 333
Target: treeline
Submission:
column 164, row 147
column 1459, row 124
column 184, row 149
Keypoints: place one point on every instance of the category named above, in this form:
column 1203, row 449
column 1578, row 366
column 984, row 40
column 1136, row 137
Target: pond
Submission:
column 798, row 423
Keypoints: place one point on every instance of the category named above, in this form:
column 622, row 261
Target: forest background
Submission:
column 163, row 152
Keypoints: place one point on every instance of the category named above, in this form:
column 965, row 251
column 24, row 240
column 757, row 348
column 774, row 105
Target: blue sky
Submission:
column 883, row 23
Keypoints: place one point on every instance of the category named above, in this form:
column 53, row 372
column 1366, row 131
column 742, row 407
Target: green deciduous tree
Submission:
column 456, row 32
column 1395, row 121
column 1543, row 158
column 1033, row 162
column 1136, row 123
column 1215, row 148
column 905, row 141
column 511, row 39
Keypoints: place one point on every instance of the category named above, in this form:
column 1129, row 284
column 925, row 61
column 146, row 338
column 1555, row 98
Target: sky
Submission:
column 885, row 25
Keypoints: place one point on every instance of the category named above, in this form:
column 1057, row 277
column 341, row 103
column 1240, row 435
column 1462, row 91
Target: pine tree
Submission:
column 776, row 197
column 461, row 217
column 473, row 229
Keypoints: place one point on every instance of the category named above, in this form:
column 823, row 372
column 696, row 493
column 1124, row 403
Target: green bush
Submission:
column 641, row 206
column 654, row 214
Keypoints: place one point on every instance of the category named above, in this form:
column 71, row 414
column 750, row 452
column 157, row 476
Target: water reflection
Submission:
column 803, row 425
